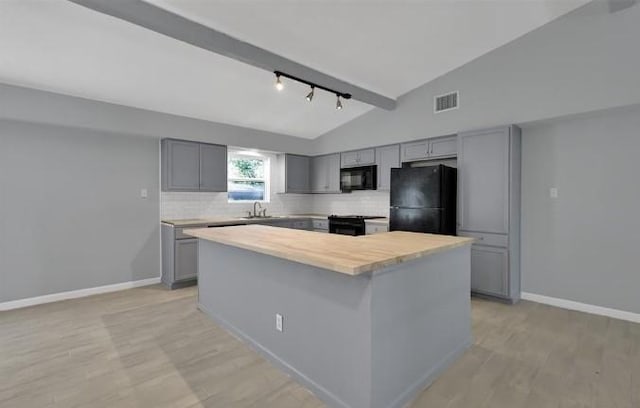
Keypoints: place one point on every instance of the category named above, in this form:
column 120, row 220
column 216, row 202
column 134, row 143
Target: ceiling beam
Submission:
column 172, row 25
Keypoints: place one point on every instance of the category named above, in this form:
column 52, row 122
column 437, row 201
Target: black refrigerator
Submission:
column 423, row 199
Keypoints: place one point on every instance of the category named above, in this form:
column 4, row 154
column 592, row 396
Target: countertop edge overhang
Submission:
column 339, row 253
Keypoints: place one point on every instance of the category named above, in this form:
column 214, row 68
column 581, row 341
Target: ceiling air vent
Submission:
column 446, row 102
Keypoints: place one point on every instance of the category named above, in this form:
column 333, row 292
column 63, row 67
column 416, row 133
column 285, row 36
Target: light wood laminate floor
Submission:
column 149, row 347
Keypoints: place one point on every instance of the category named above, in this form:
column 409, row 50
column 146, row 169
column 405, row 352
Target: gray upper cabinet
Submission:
column 213, row 167
column 295, row 174
column 489, row 208
column 357, row 158
column 415, row 150
column 387, row 157
column 180, row 165
column 443, row 147
column 192, row 166
column 325, row 174
column 438, row 147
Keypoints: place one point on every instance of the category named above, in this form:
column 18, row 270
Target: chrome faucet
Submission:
column 256, row 213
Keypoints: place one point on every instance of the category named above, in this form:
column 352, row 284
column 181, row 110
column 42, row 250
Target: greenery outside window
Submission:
column 248, row 178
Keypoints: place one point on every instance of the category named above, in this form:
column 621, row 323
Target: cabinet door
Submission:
column 489, row 270
column 213, row 167
column 443, row 147
column 182, row 161
column 348, row 159
column 319, row 174
column 387, row 158
column 483, row 181
column 415, row 150
column 186, row 259
column 333, row 172
column 366, row 157
column 297, row 174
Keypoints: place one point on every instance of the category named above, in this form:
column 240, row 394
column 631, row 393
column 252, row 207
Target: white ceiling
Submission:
column 387, row 46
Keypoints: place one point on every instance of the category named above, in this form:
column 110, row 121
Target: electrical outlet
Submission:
column 553, row 192
column 278, row 322
column 144, row 193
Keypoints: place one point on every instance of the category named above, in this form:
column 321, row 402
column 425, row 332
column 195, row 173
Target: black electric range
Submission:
column 349, row 224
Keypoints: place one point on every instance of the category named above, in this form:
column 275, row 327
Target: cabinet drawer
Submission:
column 483, row 238
column 320, row 224
column 180, row 231
column 302, row 225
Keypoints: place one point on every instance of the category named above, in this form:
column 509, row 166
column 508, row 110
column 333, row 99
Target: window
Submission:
column 248, row 178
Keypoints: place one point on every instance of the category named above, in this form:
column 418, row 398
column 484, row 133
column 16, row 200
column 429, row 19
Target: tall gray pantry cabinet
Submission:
column 489, row 208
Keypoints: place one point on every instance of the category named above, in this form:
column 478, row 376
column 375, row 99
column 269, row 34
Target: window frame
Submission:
column 266, row 163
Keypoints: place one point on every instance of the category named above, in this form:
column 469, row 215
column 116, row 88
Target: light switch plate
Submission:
column 553, row 192
column 144, row 193
column 278, row 322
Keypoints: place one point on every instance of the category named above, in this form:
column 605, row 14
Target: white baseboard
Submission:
column 582, row 307
column 55, row 297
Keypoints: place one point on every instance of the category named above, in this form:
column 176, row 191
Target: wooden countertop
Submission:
column 221, row 220
column 340, row 253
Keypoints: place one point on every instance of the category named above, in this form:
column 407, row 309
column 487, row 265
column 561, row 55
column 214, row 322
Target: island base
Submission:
column 369, row 341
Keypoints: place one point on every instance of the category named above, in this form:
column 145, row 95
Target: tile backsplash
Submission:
column 178, row 205
column 357, row 202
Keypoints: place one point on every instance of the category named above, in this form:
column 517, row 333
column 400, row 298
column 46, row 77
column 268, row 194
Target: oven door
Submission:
column 346, row 227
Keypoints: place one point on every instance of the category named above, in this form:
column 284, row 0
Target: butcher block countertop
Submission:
column 339, row 253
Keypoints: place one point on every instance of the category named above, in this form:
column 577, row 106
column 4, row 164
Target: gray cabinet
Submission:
column 357, row 158
column 186, row 259
column 387, row 157
column 490, row 270
column 439, row 147
column 294, row 173
column 375, row 228
column 489, row 208
column 483, row 180
column 213, row 167
column 192, row 166
column 179, row 257
column 325, row 174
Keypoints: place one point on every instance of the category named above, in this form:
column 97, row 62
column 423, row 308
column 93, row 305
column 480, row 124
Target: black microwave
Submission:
column 359, row 178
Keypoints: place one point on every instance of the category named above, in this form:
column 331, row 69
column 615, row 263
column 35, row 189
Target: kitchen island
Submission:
column 362, row 321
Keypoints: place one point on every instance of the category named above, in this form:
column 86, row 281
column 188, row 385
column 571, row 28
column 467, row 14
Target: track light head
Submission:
column 279, row 84
column 338, row 102
column 310, row 94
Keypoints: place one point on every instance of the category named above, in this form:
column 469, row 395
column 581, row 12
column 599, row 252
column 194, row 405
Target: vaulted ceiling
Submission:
column 386, row 46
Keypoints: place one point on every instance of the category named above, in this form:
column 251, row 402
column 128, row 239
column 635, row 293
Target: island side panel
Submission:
column 325, row 342
column 421, row 323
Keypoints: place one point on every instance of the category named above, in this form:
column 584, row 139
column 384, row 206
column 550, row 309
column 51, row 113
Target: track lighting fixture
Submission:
column 279, row 85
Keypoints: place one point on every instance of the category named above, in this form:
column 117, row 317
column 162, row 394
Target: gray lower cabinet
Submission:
column 193, row 166
column 371, row 228
column 387, row 158
column 489, row 208
column 186, row 266
column 325, row 174
column 490, row 270
column 179, row 257
column 294, row 173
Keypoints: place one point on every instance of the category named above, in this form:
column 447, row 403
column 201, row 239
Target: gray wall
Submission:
column 71, row 216
column 583, row 245
column 32, row 105
column 584, row 61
